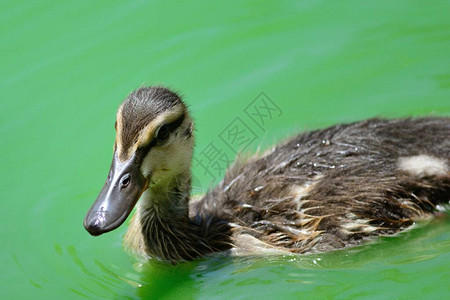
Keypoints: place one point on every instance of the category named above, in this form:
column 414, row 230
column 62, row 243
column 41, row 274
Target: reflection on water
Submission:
column 352, row 272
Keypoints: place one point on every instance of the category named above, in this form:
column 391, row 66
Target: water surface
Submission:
column 66, row 67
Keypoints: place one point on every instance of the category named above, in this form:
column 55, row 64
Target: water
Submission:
column 66, row 67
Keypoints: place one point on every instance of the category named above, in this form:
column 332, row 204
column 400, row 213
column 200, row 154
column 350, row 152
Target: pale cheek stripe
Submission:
column 119, row 130
column 147, row 132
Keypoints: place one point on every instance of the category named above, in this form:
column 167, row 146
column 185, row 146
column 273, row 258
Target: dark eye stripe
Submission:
column 177, row 123
column 142, row 151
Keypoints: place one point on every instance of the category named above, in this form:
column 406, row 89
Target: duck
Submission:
column 318, row 191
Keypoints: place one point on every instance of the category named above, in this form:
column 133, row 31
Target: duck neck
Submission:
column 168, row 232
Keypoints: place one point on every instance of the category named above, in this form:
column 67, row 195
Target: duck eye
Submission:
column 163, row 133
column 125, row 180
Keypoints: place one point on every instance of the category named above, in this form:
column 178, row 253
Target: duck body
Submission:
column 318, row 191
column 336, row 187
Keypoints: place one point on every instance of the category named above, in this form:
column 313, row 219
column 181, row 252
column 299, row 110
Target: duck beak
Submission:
column 122, row 189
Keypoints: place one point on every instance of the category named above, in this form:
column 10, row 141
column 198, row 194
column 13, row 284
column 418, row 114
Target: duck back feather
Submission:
column 336, row 187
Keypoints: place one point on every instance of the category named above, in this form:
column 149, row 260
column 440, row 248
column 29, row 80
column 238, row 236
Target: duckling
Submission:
column 318, row 191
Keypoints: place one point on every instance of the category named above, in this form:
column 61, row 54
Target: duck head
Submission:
column 153, row 146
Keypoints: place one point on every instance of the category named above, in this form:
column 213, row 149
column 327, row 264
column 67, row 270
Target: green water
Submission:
column 65, row 67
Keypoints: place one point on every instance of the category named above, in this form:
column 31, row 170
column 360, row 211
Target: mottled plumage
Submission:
column 330, row 188
column 319, row 191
